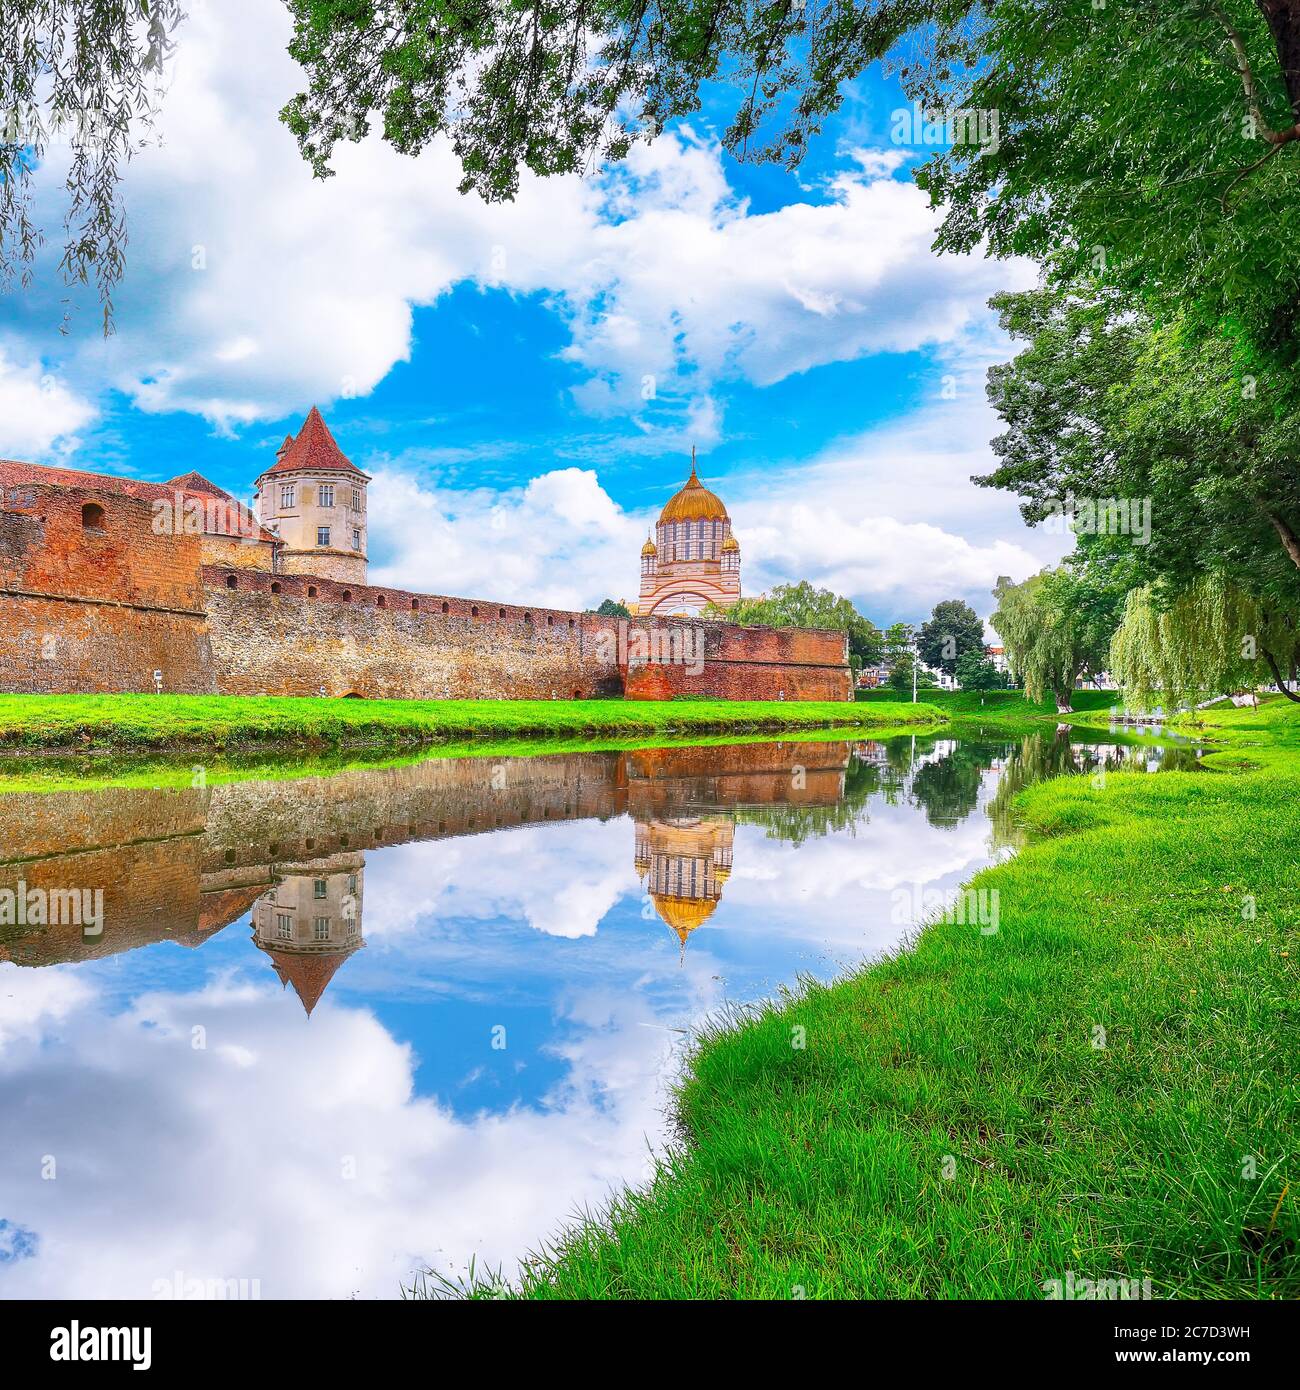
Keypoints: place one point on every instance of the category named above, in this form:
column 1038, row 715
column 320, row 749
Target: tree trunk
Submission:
column 1063, row 703
column 1277, row 677
column 1290, row 541
column 1283, row 20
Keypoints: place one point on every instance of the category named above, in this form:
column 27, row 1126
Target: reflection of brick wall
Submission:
column 137, row 603
column 180, row 864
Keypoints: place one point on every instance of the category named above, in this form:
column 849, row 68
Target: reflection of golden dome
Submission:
column 649, row 547
column 683, row 915
column 721, row 873
column 694, row 502
column 731, row 543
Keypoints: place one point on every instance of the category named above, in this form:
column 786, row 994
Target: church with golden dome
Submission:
column 693, row 559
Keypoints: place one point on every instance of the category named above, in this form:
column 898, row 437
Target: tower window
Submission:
column 319, row 888
column 346, row 595
column 322, row 535
column 92, row 517
column 415, row 605
column 327, row 494
column 320, row 928
column 283, row 926
column 446, row 607
column 231, row 582
column 381, row 602
column 356, row 499
column 356, row 539
column 275, row 586
column 311, row 591
column 286, row 495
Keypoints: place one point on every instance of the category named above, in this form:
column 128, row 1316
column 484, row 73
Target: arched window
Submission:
column 92, row 517
column 275, row 586
column 446, row 607
column 231, row 582
column 311, row 591
column 381, row 601
column 415, row 605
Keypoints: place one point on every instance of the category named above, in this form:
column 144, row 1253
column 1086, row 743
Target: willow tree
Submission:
column 1055, row 628
column 1213, row 638
column 80, row 74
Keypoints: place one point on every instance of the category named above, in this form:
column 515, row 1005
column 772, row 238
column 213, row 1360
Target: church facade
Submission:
column 693, row 559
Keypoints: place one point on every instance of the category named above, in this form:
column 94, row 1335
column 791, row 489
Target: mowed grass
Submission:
column 1106, row 1085
column 118, row 721
column 991, row 702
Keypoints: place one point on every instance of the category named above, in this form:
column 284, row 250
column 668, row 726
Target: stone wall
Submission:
column 92, row 600
column 298, row 635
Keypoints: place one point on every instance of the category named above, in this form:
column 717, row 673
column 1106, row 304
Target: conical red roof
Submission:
column 313, row 448
column 307, row 971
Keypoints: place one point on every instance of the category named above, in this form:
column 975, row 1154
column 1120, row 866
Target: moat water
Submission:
column 318, row 1034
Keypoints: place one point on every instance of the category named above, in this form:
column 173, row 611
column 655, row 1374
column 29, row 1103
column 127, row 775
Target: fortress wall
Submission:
column 101, row 608
column 747, row 663
column 308, row 632
column 97, row 609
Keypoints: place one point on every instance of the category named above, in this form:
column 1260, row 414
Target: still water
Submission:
column 330, row 1031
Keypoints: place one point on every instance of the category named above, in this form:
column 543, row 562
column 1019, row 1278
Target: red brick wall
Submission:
column 724, row 662
column 98, row 609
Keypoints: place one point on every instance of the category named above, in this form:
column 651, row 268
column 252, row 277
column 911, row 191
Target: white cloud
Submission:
column 39, row 413
column 254, row 289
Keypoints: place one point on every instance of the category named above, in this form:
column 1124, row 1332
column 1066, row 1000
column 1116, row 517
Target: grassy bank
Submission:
column 218, row 721
column 992, row 702
column 1105, row 1085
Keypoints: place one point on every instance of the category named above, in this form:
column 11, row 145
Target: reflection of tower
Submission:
column 685, row 861
column 310, row 923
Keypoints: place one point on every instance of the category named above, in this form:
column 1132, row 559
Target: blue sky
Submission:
column 526, row 381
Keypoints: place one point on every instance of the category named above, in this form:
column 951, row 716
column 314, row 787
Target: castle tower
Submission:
column 693, row 559
column 314, row 498
column 310, row 923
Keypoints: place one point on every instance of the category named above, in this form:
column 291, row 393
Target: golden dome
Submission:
column 683, row 915
column 649, row 547
column 731, row 543
column 694, row 502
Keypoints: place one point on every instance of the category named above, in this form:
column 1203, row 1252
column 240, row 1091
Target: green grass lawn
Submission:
column 971, row 702
column 1106, row 1085
column 136, row 721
